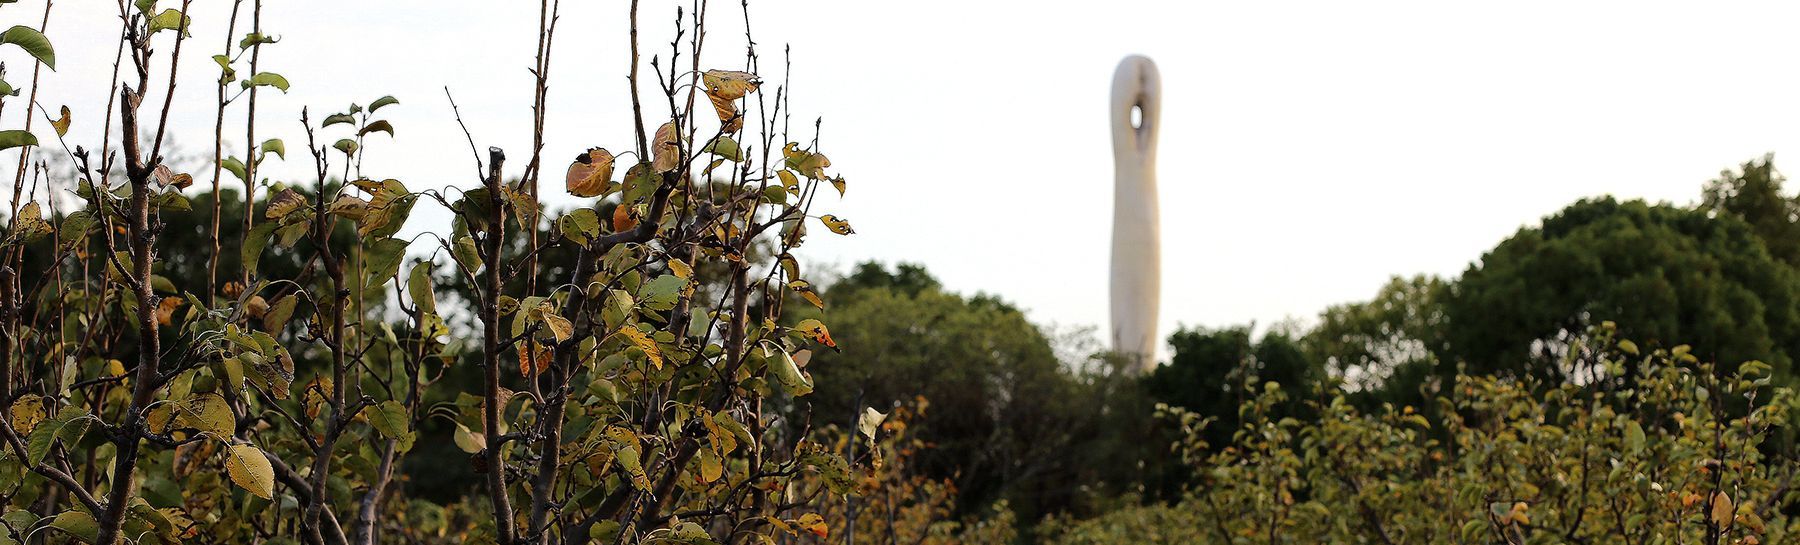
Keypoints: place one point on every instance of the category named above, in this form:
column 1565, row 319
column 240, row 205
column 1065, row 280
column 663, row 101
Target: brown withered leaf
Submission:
column 730, row 84
column 591, row 173
column 665, row 150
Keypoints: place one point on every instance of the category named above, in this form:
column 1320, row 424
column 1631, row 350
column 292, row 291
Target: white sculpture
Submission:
column 1136, row 240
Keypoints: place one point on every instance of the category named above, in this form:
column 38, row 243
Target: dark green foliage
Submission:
column 1009, row 420
column 1661, row 272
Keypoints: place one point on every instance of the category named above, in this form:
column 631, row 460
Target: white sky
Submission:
column 1309, row 149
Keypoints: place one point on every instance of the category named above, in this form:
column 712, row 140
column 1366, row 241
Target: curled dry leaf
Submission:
column 163, row 175
column 535, row 355
column 837, row 224
column 62, row 125
column 665, row 151
column 591, row 173
column 729, row 84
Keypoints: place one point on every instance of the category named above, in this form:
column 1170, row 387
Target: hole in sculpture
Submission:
column 1137, row 117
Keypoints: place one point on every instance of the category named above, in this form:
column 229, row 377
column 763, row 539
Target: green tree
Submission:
column 1386, row 348
column 1009, row 420
column 1753, row 194
column 1661, row 272
column 1512, row 461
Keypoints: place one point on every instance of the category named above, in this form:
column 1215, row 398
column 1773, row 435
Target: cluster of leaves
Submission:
column 896, row 502
column 1672, row 456
column 638, row 394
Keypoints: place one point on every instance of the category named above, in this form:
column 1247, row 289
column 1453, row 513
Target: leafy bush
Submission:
column 1671, row 456
column 637, row 389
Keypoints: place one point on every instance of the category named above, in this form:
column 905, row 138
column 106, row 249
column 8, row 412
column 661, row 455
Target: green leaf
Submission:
column 418, row 286
column 234, row 166
column 788, row 372
column 389, row 418
column 275, row 146
column 345, row 145
column 469, row 441
column 68, row 425
column 254, row 244
column 727, row 148
column 464, row 250
column 267, row 78
column 382, row 259
column 380, row 125
column 1634, row 436
column 383, row 101
column 16, row 138
column 335, row 119
column 78, row 524
column 254, row 39
column 581, row 225
column 170, row 19
column 32, row 42
column 663, row 292
column 226, row 72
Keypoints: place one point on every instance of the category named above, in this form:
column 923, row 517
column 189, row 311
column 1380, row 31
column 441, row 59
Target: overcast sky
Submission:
column 1309, row 150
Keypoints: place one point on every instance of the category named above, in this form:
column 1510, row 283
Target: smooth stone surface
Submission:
column 1136, row 236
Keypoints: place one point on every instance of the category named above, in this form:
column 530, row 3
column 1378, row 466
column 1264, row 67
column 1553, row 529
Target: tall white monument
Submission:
column 1136, row 239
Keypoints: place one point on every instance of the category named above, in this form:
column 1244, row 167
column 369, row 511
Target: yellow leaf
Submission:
column 681, row 269
column 165, row 311
column 469, row 441
column 788, row 179
column 62, row 125
column 665, row 149
column 838, row 183
column 643, row 342
column 591, row 173
column 730, row 84
column 837, row 225
column 27, row 411
column 814, row 523
column 711, row 468
column 804, row 289
column 209, row 413
column 247, row 467
column 816, row 331
column 1518, row 513
column 727, row 110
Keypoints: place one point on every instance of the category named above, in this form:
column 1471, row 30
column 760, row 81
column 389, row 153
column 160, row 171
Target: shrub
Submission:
column 627, row 393
column 1672, row 456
